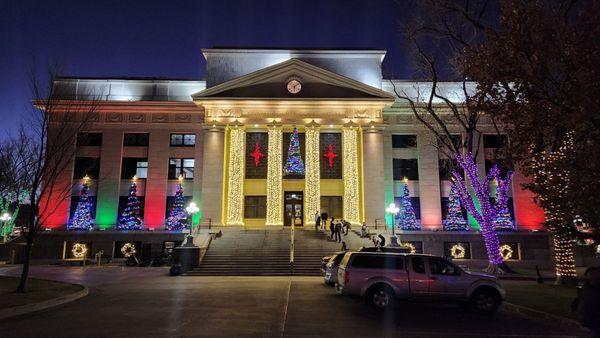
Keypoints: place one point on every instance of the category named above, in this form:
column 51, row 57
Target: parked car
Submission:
column 384, row 278
column 330, row 268
column 396, row 249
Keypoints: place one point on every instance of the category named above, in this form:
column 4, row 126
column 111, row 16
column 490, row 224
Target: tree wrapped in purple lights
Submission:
column 455, row 221
column 177, row 220
column 82, row 218
column 130, row 217
column 406, row 217
column 486, row 215
column 294, row 164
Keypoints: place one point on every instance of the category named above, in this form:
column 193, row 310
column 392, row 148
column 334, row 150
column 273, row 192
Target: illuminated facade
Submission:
column 229, row 138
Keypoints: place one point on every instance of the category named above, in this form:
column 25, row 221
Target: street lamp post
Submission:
column 4, row 218
column 392, row 209
column 191, row 210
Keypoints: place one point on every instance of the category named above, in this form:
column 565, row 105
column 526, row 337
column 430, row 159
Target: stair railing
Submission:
column 292, row 247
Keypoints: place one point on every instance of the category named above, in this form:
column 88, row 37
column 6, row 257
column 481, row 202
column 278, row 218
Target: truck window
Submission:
column 378, row 262
column 438, row 266
column 418, row 264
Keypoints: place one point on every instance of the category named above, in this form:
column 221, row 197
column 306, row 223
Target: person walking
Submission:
column 317, row 221
column 347, row 226
column 587, row 304
column 338, row 232
column 332, row 228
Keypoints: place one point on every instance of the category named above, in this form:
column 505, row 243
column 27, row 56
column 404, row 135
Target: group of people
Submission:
column 336, row 227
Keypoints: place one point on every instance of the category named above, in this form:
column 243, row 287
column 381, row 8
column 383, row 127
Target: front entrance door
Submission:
column 293, row 210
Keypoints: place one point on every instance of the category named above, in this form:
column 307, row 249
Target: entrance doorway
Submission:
column 293, row 208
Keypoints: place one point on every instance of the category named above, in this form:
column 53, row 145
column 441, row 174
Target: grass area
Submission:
column 38, row 290
column 547, row 297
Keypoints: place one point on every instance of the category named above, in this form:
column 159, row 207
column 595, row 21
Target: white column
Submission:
column 351, row 174
column 212, row 175
column 429, row 182
column 373, row 174
column 312, row 178
column 274, row 177
column 236, row 149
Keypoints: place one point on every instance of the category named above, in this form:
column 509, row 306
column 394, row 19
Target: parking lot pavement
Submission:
column 144, row 302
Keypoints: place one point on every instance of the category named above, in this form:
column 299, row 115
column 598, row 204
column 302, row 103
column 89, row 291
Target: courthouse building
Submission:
column 229, row 135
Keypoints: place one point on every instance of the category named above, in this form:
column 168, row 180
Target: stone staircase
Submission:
column 265, row 253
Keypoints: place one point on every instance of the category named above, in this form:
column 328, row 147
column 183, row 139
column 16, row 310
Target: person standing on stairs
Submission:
column 324, row 218
column 317, row 221
column 332, row 229
column 338, row 232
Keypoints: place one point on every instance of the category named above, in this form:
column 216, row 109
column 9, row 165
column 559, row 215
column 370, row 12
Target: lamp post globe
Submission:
column 4, row 218
column 392, row 209
column 191, row 210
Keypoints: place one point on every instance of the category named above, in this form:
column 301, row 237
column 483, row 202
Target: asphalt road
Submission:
column 144, row 302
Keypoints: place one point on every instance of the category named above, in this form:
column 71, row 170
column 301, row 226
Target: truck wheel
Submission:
column 381, row 297
column 485, row 301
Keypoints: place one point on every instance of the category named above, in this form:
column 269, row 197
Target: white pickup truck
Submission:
column 383, row 278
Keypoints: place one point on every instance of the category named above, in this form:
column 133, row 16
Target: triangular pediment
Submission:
column 271, row 83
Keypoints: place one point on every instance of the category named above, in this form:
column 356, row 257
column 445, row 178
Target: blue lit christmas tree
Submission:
column 177, row 220
column 454, row 216
column 503, row 220
column 130, row 217
column 294, row 164
column 82, row 218
column 406, row 217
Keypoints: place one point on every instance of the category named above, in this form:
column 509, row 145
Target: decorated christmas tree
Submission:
column 294, row 164
column 503, row 220
column 454, row 217
column 406, row 217
column 130, row 217
column 82, row 218
column 177, row 217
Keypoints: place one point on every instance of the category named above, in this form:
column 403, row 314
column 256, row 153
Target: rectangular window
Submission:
column 378, row 262
column 494, row 141
column 136, row 139
column 181, row 167
column 447, row 166
column 456, row 140
column 416, row 204
column 183, row 140
column 89, row 139
column 256, row 155
column 332, row 205
column 404, row 141
column 134, row 166
column 406, row 168
column 255, row 207
column 89, row 166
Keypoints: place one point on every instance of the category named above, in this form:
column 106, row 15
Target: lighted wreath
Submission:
column 128, row 249
column 79, row 250
column 458, row 251
column 410, row 246
column 506, row 251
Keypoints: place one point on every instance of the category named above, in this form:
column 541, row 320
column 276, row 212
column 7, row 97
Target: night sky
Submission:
column 116, row 38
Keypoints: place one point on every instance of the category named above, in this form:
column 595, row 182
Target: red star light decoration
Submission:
column 330, row 155
column 257, row 155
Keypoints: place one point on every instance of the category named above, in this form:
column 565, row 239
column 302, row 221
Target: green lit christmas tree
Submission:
column 130, row 217
column 82, row 218
column 294, row 164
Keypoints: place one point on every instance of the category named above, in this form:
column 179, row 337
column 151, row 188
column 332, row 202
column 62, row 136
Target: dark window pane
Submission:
column 333, row 169
column 89, row 139
column 132, row 165
column 89, row 166
column 181, row 166
column 176, row 139
column 136, row 139
column 378, row 262
column 408, row 168
column 418, row 264
column 189, row 139
column 254, row 169
column 255, row 206
column 404, row 141
column 438, row 266
column 494, row 141
column 447, row 166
